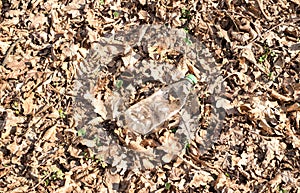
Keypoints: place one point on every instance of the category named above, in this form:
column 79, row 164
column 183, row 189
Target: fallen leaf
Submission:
column 50, row 134
column 28, row 104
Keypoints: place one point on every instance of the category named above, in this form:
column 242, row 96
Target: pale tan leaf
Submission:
column 28, row 104
column 50, row 134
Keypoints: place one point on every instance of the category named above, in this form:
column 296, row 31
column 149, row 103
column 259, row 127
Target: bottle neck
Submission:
column 191, row 78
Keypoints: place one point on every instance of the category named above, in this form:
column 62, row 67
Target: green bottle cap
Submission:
column 191, row 78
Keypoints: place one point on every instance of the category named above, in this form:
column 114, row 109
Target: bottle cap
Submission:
column 191, row 78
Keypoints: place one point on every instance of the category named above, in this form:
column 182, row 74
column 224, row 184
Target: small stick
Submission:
column 9, row 51
column 278, row 96
column 260, row 5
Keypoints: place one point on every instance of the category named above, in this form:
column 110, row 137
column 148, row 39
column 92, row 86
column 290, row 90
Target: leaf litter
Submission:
column 255, row 43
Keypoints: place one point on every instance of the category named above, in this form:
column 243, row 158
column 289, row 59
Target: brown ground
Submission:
column 256, row 42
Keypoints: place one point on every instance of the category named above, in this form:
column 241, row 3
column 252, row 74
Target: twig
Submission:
column 233, row 21
column 9, row 51
column 279, row 96
column 189, row 162
column 260, row 5
column 47, row 176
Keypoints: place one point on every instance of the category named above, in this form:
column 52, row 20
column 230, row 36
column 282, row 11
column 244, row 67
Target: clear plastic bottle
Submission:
column 145, row 116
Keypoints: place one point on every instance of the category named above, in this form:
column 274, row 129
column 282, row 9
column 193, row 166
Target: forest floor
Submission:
column 256, row 45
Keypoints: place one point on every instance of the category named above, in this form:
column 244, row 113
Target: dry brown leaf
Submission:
column 240, row 36
column 223, row 34
column 147, row 164
column 143, row 2
column 266, row 127
column 28, row 104
column 112, row 181
column 130, row 59
column 296, row 1
column 275, row 181
column 247, row 53
column 4, row 46
column 278, row 96
column 75, row 152
column 37, row 21
column 69, row 184
column 224, row 103
column 13, row 147
column 88, row 143
column 15, row 65
column 221, row 181
column 293, row 107
column 201, row 178
column 244, row 160
column 10, row 22
column 99, row 107
column 50, row 134
column 143, row 15
column 11, row 122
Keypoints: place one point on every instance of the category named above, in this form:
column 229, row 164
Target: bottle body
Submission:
column 146, row 115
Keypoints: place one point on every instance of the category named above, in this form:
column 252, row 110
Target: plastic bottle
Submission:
column 145, row 116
